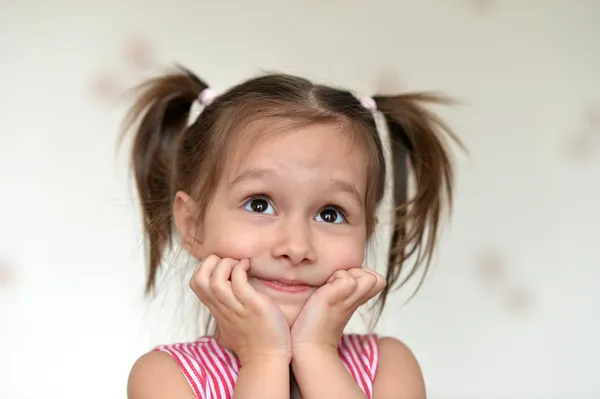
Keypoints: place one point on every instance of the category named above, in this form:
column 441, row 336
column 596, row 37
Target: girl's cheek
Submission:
column 239, row 243
column 345, row 255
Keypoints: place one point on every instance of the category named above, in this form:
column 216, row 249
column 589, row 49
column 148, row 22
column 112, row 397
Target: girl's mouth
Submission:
column 284, row 285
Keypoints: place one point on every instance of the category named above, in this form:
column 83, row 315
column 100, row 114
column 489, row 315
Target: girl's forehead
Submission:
column 324, row 146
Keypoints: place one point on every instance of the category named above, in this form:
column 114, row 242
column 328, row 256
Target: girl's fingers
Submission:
column 242, row 290
column 380, row 283
column 200, row 282
column 339, row 287
column 364, row 283
column 220, row 285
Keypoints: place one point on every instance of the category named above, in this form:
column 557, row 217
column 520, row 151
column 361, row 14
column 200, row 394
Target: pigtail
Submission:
column 417, row 138
column 160, row 114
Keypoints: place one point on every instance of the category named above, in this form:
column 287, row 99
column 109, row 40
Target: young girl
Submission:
column 274, row 188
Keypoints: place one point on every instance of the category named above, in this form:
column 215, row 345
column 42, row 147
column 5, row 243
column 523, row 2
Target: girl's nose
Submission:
column 294, row 242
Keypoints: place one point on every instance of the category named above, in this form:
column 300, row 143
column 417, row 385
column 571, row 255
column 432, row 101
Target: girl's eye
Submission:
column 259, row 205
column 331, row 215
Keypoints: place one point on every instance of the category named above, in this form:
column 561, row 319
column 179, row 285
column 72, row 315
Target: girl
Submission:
column 274, row 188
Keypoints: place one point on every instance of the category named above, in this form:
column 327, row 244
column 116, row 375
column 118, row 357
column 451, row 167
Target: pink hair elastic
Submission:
column 369, row 103
column 207, row 96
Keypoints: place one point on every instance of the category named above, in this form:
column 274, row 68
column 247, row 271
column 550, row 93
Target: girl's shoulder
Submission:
column 398, row 372
column 187, row 368
column 384, row 366
column 156, row 376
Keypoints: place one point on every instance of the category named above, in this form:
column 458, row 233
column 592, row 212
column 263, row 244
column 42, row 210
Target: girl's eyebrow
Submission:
column 252, row 174
column 349, row 189
column 257, row 174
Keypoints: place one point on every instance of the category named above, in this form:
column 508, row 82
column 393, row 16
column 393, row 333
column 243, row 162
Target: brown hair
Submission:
column 169, row 156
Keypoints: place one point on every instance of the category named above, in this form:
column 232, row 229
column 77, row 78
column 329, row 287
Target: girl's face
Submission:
column 292, row 203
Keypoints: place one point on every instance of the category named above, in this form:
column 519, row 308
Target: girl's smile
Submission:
column 283, row 285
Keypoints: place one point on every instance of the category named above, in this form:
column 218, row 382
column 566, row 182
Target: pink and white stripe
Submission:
column 212, row 370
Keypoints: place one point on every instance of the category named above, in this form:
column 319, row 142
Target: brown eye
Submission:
column 258, row 205
column 331, row 215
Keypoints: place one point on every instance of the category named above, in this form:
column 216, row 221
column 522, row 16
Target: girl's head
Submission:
column 285, row 173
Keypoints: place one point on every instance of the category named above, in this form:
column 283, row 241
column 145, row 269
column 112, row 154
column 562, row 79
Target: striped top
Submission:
column 211, row 370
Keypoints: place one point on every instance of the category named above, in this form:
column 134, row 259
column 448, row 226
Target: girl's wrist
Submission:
column 266, row 360
column 309, row 353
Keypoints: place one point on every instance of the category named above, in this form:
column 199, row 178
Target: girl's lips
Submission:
column 285, row 285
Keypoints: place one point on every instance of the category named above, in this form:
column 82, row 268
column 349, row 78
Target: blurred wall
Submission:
column 510, row 309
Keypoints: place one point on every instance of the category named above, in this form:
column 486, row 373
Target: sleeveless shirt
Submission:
column 211, row 370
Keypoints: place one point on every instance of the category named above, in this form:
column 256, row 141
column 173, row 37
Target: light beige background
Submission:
column 511, row 309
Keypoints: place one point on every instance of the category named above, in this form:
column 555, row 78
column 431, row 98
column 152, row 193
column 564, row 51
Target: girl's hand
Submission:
column 321, row 322
column 250, row 324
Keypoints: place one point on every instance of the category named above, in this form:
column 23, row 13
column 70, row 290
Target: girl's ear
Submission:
column 187, row 221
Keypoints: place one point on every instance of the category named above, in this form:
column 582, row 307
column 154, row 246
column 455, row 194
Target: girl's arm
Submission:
column 398, row 373
column 320, row 373
column 156, row 376
column 268, row 378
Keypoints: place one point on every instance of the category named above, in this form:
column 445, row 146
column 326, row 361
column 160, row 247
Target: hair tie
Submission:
column 369, row 103
column 207, row 96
